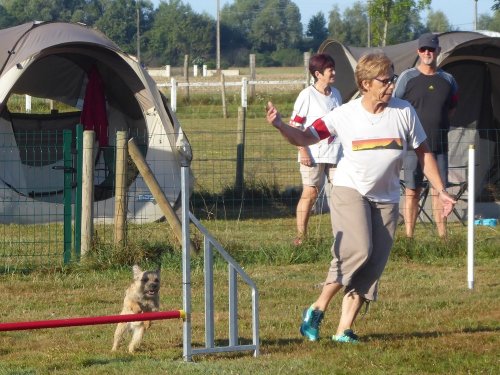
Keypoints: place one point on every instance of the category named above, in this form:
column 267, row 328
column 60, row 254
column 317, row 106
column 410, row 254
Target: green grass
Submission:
column 426, row 321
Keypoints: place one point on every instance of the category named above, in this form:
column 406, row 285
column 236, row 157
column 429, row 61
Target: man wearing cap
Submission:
column 433, row 93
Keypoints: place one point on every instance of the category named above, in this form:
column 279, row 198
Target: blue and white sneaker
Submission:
column 311, row 320
column 347, row 337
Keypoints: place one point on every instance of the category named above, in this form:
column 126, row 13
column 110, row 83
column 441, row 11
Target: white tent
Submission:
column 53, row 61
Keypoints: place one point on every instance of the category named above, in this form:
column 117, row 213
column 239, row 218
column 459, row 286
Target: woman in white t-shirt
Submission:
column 317, row 161
column 375, row 132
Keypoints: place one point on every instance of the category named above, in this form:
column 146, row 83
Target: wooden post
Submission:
column 121, row 188
column 223, row 92
column 186, row 74
column 240, row 149
column 155, row 189
column 87, row 191
column 307, row 57
column 252, row 75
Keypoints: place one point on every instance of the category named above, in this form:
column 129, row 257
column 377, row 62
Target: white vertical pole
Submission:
column 186, row 265
column 195, row 70
column 244, row 92
column 204, row 70
column 167, row 70
column 470, row 217
column 28, row 103
column 173, row 94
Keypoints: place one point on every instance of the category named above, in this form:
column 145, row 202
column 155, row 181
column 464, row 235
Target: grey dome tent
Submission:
column 474, row 60
column 52, row 60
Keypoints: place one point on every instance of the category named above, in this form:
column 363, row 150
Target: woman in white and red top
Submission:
column 317, row 161
column 375, row 132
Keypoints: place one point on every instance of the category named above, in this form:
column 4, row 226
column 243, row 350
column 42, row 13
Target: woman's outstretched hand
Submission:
column 448, row 203
column 272, row 115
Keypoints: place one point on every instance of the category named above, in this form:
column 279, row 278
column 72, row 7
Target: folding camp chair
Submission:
column 424, row 193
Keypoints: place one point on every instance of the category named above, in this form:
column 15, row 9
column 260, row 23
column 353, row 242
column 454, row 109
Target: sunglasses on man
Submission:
column 423, row 49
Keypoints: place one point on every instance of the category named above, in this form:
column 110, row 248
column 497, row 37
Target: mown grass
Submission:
column 426, row 321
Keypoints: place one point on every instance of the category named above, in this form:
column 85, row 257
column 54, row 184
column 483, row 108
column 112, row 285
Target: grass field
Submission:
column 426, row 322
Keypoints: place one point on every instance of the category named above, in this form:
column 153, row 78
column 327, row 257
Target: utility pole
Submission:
column 218, row 36
column 369, row 28
column 475, row 15
column 138, row 16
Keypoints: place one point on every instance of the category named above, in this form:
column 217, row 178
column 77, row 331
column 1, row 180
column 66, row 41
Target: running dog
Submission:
column 141, row 296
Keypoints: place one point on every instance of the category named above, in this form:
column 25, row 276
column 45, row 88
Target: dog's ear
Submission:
column 137, row 271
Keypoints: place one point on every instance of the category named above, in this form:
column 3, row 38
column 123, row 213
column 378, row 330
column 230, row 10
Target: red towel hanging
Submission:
column 93, row 115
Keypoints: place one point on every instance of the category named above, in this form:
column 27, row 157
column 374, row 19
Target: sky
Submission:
column 460, row 13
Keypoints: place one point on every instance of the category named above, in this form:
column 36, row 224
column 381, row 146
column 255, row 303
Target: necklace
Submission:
column 373, row 118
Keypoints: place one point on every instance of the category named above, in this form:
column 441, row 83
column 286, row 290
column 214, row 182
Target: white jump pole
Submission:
column 470, row 217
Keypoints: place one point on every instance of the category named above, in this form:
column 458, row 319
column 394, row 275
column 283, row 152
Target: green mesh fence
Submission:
column 31, row 199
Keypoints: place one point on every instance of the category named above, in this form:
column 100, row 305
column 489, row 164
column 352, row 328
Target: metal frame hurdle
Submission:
column 188, row 351
column 234, row 270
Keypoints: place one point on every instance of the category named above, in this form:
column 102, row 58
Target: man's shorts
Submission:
column 315, row 175
column 413, row 175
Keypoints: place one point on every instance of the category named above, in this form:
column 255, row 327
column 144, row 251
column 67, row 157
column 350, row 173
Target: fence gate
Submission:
column 40, row 180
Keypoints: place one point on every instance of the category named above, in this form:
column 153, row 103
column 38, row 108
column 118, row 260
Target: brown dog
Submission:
column 141, row 296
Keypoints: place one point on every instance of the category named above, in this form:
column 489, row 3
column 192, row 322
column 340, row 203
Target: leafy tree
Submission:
column 438, row 22
column 408, row 28
column 276, row 26
column 383, row 13
column 41, row 10
column 6, row 19
column 355, row 25
column 335, row 24
column 496, row 5
column 118, row 22
column 268, row 25
column 177, row 31
column 487, row 22
column 317, row 30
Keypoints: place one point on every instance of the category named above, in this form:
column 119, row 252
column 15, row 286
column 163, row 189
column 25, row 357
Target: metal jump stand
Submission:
column 234, row 270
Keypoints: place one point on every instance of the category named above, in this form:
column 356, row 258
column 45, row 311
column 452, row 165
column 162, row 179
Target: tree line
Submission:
column 270, row 29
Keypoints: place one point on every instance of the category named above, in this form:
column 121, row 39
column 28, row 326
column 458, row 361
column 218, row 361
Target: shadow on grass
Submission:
column 432, row 334
column 105, row 361
column 255, row 200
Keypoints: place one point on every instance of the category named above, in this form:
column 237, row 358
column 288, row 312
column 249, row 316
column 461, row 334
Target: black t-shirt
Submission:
column 432, row 96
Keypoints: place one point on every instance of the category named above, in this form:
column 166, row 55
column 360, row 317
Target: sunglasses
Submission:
column 388, row 81
column 423, row 49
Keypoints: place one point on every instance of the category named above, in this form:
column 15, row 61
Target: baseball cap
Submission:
column 428, row 40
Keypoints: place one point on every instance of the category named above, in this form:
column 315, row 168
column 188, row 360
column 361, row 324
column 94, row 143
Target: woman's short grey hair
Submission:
column 372, row 65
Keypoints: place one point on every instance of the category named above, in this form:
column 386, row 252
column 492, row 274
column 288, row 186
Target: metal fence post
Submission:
column 67, row 194
column 240, row 149
column 78, row 198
